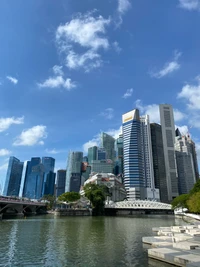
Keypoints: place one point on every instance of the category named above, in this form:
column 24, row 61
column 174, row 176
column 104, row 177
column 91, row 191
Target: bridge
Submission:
column 137, row 207
column 19, row 207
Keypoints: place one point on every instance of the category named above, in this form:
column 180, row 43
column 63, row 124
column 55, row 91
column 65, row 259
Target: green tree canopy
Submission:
column 194, row 202
column 180, row 201
column 196, row 188
column 97, row 195
column 69, row 197
column 51, row 200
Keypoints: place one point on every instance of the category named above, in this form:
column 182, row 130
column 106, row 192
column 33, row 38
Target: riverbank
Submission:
column 177, row 245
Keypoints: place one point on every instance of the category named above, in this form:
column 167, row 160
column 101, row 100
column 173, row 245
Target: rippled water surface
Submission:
column 78, row 241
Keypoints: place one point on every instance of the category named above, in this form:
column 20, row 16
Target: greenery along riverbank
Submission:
column 189, row 201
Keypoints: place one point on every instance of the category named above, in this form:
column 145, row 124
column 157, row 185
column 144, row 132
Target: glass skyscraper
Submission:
column 60, row 183
column 134, row 179
column 119, row 155
column 92, row 153
column 108, row 143
column 74, row 164
column 49, row 175
column 13, row 177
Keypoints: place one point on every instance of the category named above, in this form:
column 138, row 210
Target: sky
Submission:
column 69, row 69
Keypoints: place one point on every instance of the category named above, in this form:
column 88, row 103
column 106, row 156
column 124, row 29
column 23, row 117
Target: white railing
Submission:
column 139, row 204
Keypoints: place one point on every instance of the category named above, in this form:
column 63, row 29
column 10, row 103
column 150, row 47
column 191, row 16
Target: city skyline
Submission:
column 126, row 67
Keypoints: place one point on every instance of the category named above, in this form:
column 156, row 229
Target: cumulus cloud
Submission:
column 31, row 136
column 190, row 4
column 168, row 67
column 115, row 132
column 123, row 6
column 128, row 93
column 183, row 129
column 5, row 123
column 86, row 32
column 58, row 70
column 12, row 79
column 53, row 151
column 117, row 47
column 4, row 167
column 108, row 113
column 154, row 114
column 57, row 82
column 4, row 152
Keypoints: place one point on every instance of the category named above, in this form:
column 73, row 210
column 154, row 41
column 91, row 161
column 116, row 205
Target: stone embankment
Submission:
column 177, row 245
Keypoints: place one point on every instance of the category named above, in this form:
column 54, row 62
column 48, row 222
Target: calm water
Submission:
column 78, row 241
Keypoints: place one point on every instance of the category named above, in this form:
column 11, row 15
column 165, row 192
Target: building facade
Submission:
column 13, row 177
column 101, row 154
column 159, row 161
column 105, row 166
column 134, row 179
column 74, row 165
column 119, row 155
column 168, row 135
column 92, row 153
column 108, row 143
column 60, row 183
column 185, row 165
column 49, row 176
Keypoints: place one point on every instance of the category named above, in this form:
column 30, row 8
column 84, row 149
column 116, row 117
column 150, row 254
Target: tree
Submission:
column 196, row 188
column 180, row 201
column 51, row 200
column 194, row 202
column 69, row 197
column 97, row 195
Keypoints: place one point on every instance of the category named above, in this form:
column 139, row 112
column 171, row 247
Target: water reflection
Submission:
column 78, row 241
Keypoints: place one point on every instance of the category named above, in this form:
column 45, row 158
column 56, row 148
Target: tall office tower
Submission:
column 168, row 135
column 92, row 153
column 85, row 159
column 134, row 179
column 108, row 143
column 185, row 165
column 74, row 164
column 60, row 183
column 34, row 188
column 102, row 166
column 101, row 154
column 49, row 175
column 30, row 164
column 159, row 161
column 13, row 177
column 192, row 150
column 119, row 155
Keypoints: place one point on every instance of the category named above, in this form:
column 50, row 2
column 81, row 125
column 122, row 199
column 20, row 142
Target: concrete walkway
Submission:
column 177, row 245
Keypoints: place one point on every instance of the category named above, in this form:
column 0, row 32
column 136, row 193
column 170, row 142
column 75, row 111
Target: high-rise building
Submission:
column 134, row 179
column 185, row 165
column 168, row 135
column 119, row 155
column 74, row 164
column 60, row 183
column 101, row 154
column 49, row 175
column 102, row 166
column 92, row 153
column 13, row 177
column 35, row 182
column 108, row 143
column 192, row 150
column 159, row 161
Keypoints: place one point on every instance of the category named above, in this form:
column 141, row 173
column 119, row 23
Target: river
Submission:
column 79, row 241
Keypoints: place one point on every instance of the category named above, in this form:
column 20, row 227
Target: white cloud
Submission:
column 57, row 82
column 154, row 114
column 168, row 68
column 108, row 113
column 128, row 93
column 5, row 123
column 88, row 33
column 58, row 70
column 123, row 6
column 183, row 129
column 4, row 167
column 53, row 151
column 32, row 136
column 191, row 93
column 117, row 47
column 190, row 4
column 12, row 79
column 115, row 132
column 4, row 152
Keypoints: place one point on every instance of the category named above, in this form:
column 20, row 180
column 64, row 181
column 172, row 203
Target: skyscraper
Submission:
column 101, row 154
column 49, row 175
column 168, row 135
column 35, row 182
column 159, row 161
column 119, row 155
column 92, row 153
column 74, row 164
column 134, row 179
column 60, row 183
column 108, row 143
column 192, row 150
column 185, row 165
column 13, row 177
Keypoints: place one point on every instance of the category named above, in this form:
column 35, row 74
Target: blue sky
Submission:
column 70, row 68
